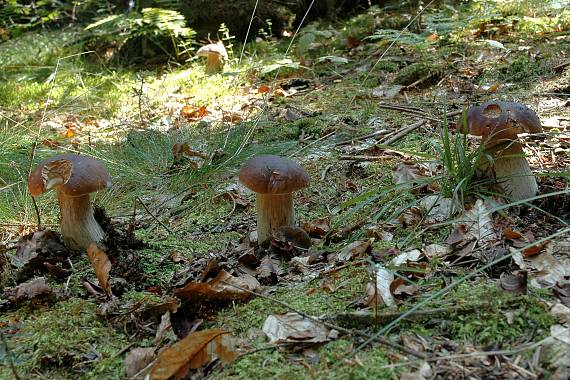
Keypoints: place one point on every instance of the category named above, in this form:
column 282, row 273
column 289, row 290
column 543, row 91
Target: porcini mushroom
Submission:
column 74, row 177
column 499, row 123
column 216, row 54
column 274, row 179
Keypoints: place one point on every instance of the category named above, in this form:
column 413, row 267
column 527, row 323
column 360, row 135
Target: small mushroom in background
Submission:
column 74, row 177
column 216, row 54
column 499, row 123
column 274, row 179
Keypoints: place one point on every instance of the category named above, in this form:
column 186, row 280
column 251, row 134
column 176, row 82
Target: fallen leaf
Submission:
column 318, row 227
column 409, row 256
column 535, row 249
column 294, row 328
column 29, row 290
column 219, row 289
column 378, row 292
column 550, row 270
column 101, row 265
column 561, row 313
column 355, row 249
column 436, row 250
column 137, row 359
column 438, row 209
column 269, row 270
column 406, row 174
column 410, row 217
column 387, row 92
column 194, row 351
column 508, row 233
column 399, row 287
column 263, row 89
column 194, row 113
column 163, row 327
column 477, row 224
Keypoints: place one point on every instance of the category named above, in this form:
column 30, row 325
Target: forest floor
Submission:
column 418, row 267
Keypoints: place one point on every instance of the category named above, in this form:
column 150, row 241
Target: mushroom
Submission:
column 274, row 179
column 74, row 177
column 499, row 123
column 216, row 53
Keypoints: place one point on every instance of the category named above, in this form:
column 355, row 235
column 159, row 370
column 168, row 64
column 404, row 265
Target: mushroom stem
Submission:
column 273, row 211
column 214, row 64
column 78, row 225
column 513, row 172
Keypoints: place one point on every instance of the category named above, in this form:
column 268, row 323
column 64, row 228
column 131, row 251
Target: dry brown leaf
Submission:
column 508, row 233
column 269, row 270
column 355, row 249
column 263, row 89
column 399, row 287
column 137, row 359
column 535, row 249
column 219, row 289
column 409, row 256
column 29, row 290
column 318, row 228
column 194, row 351
column 406, row 174
column 101, row 265
column 194, row 113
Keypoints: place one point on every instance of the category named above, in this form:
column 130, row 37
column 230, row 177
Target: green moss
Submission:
column 414, row 72
column 67, row 341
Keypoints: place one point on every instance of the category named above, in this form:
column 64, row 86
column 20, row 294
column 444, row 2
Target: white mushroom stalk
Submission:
column 273, row 211
column 512, row 171
column 77, row 223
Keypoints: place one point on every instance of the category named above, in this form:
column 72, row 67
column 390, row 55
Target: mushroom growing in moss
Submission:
column 74, row 177
column 274, row 179
column 499, row 123
column 216, row 54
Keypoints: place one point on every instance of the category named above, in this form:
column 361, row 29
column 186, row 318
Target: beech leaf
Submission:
column 101, row 265
column 194, row 351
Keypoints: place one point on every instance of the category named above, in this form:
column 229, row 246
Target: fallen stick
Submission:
column 365, row 158
column 403, row 132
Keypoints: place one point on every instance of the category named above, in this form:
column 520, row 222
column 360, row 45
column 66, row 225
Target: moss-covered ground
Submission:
column 56, row 97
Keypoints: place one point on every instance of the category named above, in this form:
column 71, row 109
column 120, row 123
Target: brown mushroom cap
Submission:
column 273, row 175
column 502, row 120
column 216, row 49
column 75, row 175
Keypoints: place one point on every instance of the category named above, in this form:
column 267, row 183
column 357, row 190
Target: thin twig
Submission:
column 365, row 158
column 379, row 339
column 153, row 216
column 381, row 132
column 403, row 132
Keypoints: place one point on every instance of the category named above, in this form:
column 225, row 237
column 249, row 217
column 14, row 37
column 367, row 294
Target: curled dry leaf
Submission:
column 475, row 224
column 550, row 270
column 194, row 351
column 378, row 292
column 317, row 228
column 398, row 287
column 406, row 174
column 409, row 256
column 101, row 265
column 354, row 250
column 294, row 328
column 194, row 113
column 436, row 250
column 137, row 359
column 269, row 270
column 438, row 209
column 29, row 290
column 220, row 289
